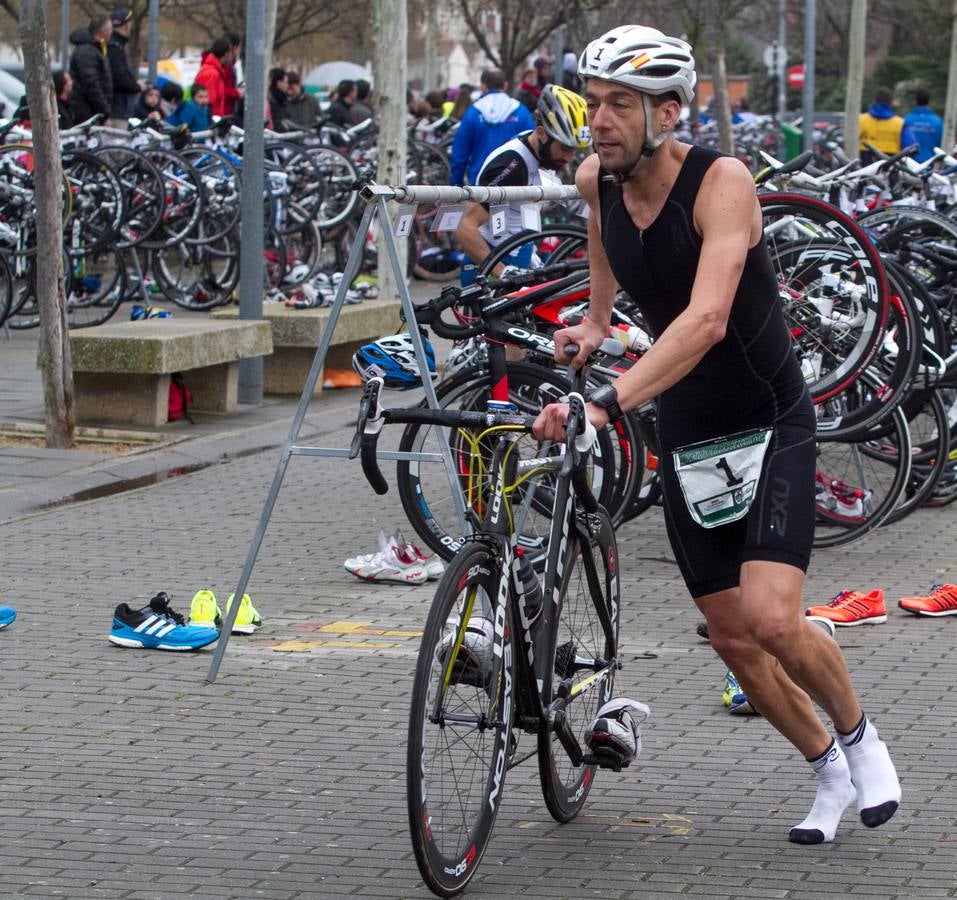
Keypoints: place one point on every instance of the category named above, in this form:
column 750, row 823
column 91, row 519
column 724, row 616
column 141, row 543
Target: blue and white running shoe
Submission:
column 7, row 615
column 157, row 627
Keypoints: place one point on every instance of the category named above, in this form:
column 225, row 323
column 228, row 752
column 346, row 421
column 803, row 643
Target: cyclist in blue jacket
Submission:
column 488, row 123
column 926, row 126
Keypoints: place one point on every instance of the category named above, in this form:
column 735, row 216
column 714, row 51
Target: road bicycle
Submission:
column 502, row 654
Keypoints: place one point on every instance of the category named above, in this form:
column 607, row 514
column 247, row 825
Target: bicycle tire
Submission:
column 585, row 622
column 931, row 439
column 456, row 767
column 145, row 200
column 911, row 322
column 184, row 198
column 793, row 221
column 571, row 237
column 873, row 482
column 339, row 195
column 427, row 501
column 99, row 204
column 7, row 290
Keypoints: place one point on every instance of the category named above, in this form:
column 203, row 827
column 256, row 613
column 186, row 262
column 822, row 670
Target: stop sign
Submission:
column 795, row 76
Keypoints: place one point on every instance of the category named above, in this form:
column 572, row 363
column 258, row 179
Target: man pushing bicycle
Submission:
column 680, row 229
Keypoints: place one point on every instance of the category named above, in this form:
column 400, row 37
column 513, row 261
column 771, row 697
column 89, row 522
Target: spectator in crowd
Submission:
column 302, row 108
column 882, row 129
column 435, row 99
column 234, row 93
column 126, row 87
column 213, row 76
column 277, row 97
column 463, row 100
column 193, row 113
column 62, row 88
column 488, row 123
column 543, row 65
column 149, row 105
column 528, row 90
column 90, row 70
column 570, row 77
column 362, row 106
column 171, row 95
column 340, row 110
column 741, row 112
column 926, row 126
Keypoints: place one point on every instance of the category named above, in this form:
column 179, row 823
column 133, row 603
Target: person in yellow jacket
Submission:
column 882, row 129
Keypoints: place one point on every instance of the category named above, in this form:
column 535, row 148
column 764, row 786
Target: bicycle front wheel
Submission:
column 582, row 668
column 463, row 707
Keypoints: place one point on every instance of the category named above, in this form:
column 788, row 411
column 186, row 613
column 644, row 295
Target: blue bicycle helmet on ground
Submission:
column 393, row 359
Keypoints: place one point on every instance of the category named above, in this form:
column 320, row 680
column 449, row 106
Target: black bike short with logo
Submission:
column 779, row 526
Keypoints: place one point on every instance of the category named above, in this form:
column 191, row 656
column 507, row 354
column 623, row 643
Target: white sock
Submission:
column 834, row 795
column 872, row 772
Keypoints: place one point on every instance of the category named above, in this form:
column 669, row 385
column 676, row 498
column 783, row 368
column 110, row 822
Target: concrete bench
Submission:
column 296, row 334
column 121, row 371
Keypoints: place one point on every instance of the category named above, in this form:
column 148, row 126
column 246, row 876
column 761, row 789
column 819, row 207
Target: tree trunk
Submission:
column 950, row 106
column 390, row 29
column 431, row 78
column 855, row 78
column 54, row 350
column 719, row 78
column 272, row 8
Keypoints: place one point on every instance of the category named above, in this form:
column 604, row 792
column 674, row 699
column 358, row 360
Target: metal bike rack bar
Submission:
column 376, row 197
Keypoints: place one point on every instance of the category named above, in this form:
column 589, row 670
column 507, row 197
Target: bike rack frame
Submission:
column 376, row 198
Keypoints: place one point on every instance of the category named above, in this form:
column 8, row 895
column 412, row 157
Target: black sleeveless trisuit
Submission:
column 750, row 379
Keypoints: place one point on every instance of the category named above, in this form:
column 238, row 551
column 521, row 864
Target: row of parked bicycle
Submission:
column 161, row 209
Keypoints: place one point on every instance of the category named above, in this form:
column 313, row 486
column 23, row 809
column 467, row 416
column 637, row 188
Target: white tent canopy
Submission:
column 329, row 74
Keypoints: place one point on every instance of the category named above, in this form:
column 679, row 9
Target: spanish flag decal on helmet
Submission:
column 640, row 60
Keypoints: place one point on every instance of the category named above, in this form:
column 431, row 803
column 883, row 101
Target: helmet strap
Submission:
column 652, row 141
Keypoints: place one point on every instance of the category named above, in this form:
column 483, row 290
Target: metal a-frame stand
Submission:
column 376, row 197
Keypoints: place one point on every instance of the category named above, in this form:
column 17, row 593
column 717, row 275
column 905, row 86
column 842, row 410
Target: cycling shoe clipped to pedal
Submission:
column 615, row 737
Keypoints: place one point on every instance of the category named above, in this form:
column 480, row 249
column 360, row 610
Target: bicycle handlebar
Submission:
column 580, row 433
column 430, row 313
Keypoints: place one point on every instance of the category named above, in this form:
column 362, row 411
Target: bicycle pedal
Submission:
column 605, row 761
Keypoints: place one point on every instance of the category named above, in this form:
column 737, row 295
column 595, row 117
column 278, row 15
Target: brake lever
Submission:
column 368, row 412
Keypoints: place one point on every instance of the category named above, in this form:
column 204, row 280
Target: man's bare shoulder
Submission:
column 728, row 174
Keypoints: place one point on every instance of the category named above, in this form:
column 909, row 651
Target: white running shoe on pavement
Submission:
column 386, row 565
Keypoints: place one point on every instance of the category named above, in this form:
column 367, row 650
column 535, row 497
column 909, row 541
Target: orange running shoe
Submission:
column 853, row 608
column 941, row 601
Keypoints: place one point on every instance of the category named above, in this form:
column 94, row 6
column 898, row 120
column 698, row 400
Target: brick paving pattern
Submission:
column 123, row 774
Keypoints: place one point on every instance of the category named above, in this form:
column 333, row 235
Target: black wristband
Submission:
column 606, row 397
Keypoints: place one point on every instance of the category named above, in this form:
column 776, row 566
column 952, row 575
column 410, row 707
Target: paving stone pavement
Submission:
column 124, row 774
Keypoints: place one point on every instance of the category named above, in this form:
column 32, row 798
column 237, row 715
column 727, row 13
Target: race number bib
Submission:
column 719, row 478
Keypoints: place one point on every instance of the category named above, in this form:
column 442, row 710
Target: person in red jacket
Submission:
column 212, row 75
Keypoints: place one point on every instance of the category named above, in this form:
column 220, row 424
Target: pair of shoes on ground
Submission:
column 7, row 615
column 204, row 610
column 396, row 560
column 158, row 627
column 850, row 608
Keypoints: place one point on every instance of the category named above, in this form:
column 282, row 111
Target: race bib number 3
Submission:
column 719, row 478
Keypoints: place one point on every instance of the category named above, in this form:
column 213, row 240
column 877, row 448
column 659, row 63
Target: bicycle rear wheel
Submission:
column 463, row 707
column 582, row 669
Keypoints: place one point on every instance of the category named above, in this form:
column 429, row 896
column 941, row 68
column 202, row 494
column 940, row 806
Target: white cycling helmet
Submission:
column 646, row 60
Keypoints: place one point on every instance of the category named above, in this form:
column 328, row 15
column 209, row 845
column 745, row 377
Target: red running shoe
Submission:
column 941, row 601
column 853, row 608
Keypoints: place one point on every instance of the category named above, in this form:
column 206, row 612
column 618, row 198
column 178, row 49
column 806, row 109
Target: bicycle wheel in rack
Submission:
column 859, row 482
column 460, row 722
column 832, row 286
column 553, row 243
column 582, row 670
column 931, row 438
